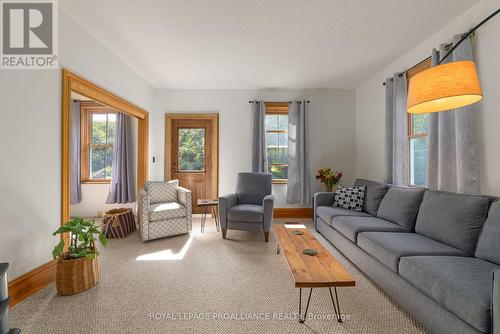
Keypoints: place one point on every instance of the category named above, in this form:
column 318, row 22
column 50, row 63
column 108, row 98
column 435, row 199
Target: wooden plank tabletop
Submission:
column 207, row 202
column 318, row 271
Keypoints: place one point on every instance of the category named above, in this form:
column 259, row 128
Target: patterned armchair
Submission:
column 164, row 210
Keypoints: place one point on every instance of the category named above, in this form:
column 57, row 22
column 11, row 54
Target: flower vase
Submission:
column 330, row 188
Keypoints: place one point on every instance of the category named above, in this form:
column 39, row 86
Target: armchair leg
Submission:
column 266, row 236
column 223, row 233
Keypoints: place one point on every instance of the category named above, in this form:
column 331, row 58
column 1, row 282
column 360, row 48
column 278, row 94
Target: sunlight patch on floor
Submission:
column 168, row 254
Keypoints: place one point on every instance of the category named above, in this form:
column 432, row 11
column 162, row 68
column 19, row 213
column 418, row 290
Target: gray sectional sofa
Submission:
column 437, row 254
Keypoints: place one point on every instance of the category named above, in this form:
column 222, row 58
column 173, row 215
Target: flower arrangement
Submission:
column 328, row 177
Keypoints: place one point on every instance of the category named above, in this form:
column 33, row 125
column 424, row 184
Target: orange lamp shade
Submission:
column 444, row 87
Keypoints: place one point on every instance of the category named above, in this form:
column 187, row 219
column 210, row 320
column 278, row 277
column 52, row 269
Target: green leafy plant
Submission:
column 83, row 236
column 328, row 177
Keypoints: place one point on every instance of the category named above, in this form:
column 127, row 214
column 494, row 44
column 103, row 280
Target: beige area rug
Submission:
column 239, row 285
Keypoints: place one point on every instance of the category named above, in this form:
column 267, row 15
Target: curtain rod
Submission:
column 463, row 38
column 307, row 101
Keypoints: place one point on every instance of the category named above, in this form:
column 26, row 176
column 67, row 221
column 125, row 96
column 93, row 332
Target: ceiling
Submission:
column 236, row 44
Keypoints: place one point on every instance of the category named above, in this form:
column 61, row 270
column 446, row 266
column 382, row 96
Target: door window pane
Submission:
column 418, row 160
column 192, row 149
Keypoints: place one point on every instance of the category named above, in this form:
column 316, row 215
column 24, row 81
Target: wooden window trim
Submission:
column 72, row 82
column 87, row 109
column 277, row 108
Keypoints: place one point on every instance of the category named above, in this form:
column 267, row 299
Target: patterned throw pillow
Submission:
column 350, row 198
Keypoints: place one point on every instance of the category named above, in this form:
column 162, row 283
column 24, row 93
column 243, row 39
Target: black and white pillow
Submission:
column 350, row 198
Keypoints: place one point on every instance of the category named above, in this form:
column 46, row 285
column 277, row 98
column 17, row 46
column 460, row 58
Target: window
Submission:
column 98, row 127
column 191, row 149
column 418, row 136
column 277, row 140
column 418, row 129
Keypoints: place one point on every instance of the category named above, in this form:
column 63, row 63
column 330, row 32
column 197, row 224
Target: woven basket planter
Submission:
column 118, row 223
column 76, row 275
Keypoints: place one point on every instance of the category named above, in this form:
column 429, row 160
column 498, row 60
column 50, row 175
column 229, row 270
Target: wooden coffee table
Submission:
column 319, row 271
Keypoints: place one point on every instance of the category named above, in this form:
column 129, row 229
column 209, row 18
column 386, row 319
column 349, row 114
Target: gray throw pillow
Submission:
column 375, row 192
column 488, row 246
column 350, row 198
column 453, row 219
column 400, row 205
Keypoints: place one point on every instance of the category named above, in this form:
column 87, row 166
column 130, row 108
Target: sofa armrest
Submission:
column 185, row 197
column 268, row 207
column 226, row 202
column 144, row 205
column 495, row 303
column 322, row 199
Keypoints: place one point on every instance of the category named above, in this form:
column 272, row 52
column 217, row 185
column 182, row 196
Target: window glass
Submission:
column 420, row 123
column 192, row 149
column 103, row 131
column 277, row 145
column 418, row 160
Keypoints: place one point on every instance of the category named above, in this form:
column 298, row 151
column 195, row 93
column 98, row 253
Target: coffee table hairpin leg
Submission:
column 216, row 219
column 204, row 218
column 335, row 302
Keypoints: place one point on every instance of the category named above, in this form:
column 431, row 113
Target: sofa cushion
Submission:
column 451, row 218
column 488, row 246
column 374, row 194
column 169, row 210
column 350, row 198
column 400, row 205
column 389, row 247
column 246, row 213
column 349, row 227
column 162, row 191
column 326, row 213
column 460, row 284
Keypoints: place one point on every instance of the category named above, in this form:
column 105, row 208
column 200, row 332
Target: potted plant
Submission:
column 78, row 267
column 330, row 178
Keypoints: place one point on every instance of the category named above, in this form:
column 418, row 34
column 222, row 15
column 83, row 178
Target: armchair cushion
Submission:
column 251, row 188
column 162, row 191
column 169, row 210
column 247, row 213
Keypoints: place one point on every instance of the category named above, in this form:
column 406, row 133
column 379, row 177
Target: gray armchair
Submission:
column 164, row 209
column 251, row 207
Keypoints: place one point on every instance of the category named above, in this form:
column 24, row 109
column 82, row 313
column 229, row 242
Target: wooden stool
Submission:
column 118, row 223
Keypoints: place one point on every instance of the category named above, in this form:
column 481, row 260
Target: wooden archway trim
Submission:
column 72, row 82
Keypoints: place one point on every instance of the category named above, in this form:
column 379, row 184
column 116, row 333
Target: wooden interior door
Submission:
column 193, row 149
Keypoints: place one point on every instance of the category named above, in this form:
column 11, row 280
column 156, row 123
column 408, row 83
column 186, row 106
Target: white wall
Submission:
column 94, row 195
column 331, row 125
column 370, row 98
column 30, row 126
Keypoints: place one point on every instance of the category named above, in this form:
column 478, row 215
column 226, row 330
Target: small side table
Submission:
column 212, row 205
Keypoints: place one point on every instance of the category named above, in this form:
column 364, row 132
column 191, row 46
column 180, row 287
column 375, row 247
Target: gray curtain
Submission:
column 75, row 186
column 396, row 130
column 123, row 187
column 453, row 162
column 298, row 163
column 259, row 154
